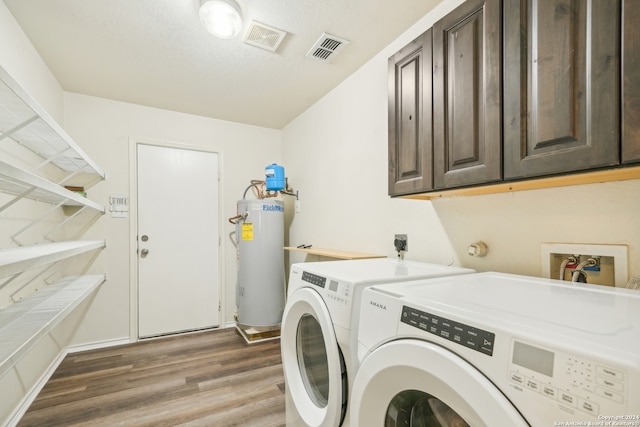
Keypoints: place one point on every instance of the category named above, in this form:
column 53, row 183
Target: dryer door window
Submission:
column 419, row 409
column 312, row 359
column 313, row 365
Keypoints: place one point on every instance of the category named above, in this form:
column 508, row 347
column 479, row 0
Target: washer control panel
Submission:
column 576, row 382
column 460, row 333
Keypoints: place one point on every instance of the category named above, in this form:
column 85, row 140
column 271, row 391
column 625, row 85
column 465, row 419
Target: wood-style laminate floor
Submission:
column 210, row 378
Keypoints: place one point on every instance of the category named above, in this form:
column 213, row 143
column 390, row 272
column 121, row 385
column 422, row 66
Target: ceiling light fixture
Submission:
column 221, row 18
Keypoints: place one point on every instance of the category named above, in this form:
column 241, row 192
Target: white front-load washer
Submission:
column 492, row 349
column 318, row 331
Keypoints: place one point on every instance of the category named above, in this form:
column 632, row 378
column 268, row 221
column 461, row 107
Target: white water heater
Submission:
column 260, row 295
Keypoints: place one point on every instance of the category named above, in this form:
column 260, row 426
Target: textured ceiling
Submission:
column 156, row 53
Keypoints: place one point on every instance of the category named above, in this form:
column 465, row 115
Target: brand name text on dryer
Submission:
column 377, row 304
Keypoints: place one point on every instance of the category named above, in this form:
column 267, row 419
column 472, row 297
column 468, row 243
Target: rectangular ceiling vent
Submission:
column 327, row 47
column 264, row 36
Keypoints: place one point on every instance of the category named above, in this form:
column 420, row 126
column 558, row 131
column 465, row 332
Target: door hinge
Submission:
column 219, row 306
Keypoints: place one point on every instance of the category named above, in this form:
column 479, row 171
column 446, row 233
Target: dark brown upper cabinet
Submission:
column 561, row 86
column 410, row 119
column 467, row 95
column 631, row 81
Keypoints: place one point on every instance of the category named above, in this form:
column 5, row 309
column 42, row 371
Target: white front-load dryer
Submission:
column 319, row 331
column 492, row 349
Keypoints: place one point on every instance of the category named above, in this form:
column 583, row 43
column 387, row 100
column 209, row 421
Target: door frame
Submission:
column 133, row 227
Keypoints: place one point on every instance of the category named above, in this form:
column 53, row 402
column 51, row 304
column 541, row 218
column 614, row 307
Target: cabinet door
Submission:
column 630, row 82
column 561, row 86
column 410, row 119
column 467, row 95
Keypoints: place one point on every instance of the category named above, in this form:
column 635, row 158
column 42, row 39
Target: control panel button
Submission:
column 588, row 406
column 610, row 373
column 606, row 382
column 532, row 384
column 616, row 397
column 517, row 378
column 568, row 398
column 549, row 391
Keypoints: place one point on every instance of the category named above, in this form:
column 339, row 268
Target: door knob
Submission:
column 144, row 253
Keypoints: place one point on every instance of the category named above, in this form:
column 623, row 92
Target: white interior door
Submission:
column 178, row 243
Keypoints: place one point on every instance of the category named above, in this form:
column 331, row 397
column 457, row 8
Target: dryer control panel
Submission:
column 314, row 279
column 334, row 290
column 574, row 382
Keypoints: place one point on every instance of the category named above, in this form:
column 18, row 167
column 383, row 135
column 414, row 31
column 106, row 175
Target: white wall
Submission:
column 336, row 153
column 105, row 128
column 20, row 59
column 336, row 156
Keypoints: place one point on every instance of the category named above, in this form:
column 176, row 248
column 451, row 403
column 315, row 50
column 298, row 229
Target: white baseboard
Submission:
column 98, row 345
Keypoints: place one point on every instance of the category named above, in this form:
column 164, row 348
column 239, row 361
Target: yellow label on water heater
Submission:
column 247, row 231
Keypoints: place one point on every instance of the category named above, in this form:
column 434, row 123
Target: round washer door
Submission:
column 311, row 360
column 413, row 382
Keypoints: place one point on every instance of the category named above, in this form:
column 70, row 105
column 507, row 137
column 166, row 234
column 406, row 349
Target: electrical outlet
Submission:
column 401, row 243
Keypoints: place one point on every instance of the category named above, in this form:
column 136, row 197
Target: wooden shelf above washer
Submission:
column 589, row 177
column 333, row 253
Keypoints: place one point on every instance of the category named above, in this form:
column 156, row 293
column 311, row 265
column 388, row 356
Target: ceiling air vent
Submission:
column 327, row 47
column 264, row 36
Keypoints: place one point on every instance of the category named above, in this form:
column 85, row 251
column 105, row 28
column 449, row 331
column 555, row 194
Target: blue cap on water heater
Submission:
column 275, row 177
